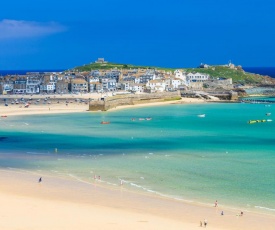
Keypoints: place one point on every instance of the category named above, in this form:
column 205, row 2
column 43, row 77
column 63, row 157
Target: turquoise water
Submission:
column 176, row 154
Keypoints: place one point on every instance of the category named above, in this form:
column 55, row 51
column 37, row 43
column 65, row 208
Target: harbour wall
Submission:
column 132, row 99
column 225, row 95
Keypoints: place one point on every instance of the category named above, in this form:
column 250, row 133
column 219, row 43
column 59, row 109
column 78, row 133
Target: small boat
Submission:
column 133, row 119
column 148, row 118
column 104, row 122
column 27, row 105
column 258, row 121
column 4, row 116
column 201, row 115
column 141, row 119
column 268, row 114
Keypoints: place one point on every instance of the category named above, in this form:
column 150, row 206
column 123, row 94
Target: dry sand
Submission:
column 73, row 106
column 41, row 108
column 59, row 203
column 13, row 110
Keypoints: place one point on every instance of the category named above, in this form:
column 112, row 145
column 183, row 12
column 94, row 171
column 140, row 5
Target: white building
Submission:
column 92, row 84
column 156, row 85
column 125, row 85
column 197, row 77
column 51, row 87
column 176, row 82
column 32, row 85
column 137, row 88
column 181, row 75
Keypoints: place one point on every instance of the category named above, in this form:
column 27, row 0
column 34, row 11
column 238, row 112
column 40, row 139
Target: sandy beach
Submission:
column 51, row 106
column 72, row 106
column 59, row 203
column 14, row 110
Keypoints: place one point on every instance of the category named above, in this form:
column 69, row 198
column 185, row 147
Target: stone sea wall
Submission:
column 265, row 91
column 132, row 99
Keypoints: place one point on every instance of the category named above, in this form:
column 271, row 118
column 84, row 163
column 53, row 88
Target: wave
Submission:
column 35, row 153
column 79, row 179
column 157, row 193
column 265, row 208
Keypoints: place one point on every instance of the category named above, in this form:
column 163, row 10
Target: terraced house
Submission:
column 79, row 85
column 33, row 85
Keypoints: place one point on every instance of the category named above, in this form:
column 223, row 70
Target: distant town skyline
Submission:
column 48, row 34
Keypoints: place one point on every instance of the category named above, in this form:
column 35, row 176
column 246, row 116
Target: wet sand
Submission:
column 60, row 203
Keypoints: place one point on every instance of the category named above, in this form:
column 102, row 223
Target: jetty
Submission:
column 107, row 103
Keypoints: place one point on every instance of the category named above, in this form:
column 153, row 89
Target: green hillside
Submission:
column 237, row 75
column 98, row 66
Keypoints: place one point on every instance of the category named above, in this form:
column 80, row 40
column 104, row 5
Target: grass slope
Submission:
column 106, row 66
column 238, row 76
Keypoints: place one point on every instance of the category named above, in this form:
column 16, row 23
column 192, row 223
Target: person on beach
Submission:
column 200, row 223
column 40, row 180
column 241, row 213
column 205, row 223
column 216, row 203
column 222, row 213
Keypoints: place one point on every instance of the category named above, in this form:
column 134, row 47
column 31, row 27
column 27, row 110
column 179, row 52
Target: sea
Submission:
column 266, row 71
column 23, row 72
column 175, row 154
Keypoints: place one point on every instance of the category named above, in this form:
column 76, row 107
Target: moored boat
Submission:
column 201, row 115
column 258, row 121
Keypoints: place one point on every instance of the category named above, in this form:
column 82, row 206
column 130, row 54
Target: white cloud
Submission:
column 23, row 29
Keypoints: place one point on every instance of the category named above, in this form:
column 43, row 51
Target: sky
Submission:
column 52, row 34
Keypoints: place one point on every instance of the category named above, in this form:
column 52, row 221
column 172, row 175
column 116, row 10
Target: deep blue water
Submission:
column 269, row 71
column 23, row 72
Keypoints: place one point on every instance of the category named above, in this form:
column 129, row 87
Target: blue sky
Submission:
column 51, row 34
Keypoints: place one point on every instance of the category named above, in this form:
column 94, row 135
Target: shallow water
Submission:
column 177, row 154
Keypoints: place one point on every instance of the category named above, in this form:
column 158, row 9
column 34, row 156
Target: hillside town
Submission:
column 135, row 80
